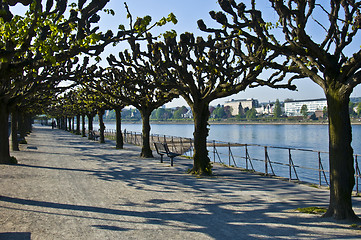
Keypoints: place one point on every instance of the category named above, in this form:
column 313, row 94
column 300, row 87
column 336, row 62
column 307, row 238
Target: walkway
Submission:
column 67, row 187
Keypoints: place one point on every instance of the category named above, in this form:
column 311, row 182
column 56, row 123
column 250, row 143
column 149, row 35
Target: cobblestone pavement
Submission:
column 67, row 187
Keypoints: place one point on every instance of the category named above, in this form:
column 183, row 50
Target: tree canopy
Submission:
column 331, row 59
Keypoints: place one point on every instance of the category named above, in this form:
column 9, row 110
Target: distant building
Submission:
column 240, row 107
column 267, row 109
column 319, row 114
column 188, row 114
column 293, row 108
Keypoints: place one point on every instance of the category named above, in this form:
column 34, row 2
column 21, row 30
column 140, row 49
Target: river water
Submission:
column 276, row 137
column 313, row 137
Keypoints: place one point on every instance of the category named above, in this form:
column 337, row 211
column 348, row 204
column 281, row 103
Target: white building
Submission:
column 265, row 109
column 293, row 108
column 241, row 106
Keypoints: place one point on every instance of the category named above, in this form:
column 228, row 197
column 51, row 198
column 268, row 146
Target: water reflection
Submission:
column 294, row 136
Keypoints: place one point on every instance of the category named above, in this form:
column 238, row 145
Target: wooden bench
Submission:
column 93, row 136
column 162, row 149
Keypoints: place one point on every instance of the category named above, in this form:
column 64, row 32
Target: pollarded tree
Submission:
column 139, row 83
column 35, row 102
column 40, row 38
column 94, row 84
column 331, row 58
column 203, row 71
column 117, row 105
column 45, row 37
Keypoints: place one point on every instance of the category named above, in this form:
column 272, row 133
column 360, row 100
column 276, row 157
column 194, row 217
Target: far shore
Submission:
column 225, row 122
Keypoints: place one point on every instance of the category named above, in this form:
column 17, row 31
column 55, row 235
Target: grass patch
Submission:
column 356, row 226
column 312, row 210
column 248, row 170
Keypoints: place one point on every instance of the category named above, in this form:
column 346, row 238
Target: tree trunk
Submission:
column 27, row 123
column 78, row 124
column 63, row 123
column 119, row 136
column 73, row 124
column 90, row 125
column 201, row 161
column 22, row 128
column 83, row 134
column 69, row 121
column 146, row 150
column 4, row 134
column 341, row 161
column 14, row 130
column 101, row 125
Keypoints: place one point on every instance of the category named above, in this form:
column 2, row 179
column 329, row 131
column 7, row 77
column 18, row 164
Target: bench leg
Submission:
column 161, row 158
column 171, row 161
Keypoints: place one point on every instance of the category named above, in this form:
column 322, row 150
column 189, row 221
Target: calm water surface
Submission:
column 310, row 137
column 295, row 136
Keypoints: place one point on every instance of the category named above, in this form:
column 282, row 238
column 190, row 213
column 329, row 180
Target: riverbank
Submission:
column 310, row 122
column 68, row 187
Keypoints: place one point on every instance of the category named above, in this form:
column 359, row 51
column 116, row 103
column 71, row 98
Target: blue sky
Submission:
column 187, row 13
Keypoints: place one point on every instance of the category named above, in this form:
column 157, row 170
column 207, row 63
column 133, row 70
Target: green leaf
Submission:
column 172, row 18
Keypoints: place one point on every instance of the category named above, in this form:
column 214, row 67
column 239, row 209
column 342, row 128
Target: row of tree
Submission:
column 245, row 51
column 235, row 57
column 40, row 50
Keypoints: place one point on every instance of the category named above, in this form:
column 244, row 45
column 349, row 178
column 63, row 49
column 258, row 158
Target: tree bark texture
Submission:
column 73, row 124
column 101, row 125
column 83, row 133
column 201, row 161
column 22, row 125
column 341, row 160
column 119, row 135
column 78, row 124
column 146, row 150
column 14, row 130
column 4, row 134
column 69, row 122
column 90, row 125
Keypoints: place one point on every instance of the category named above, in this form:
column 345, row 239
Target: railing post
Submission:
column 266, row 160
column 191, row 146
column 289, row 163
column 319, row 169
column 357, row 173
column 181, row 143
column 229, row 154
column 214, row 151
column 246, row 156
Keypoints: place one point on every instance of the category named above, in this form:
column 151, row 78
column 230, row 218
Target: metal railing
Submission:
column 298, row 164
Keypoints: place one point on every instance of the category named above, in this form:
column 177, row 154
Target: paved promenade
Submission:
column 67, row 187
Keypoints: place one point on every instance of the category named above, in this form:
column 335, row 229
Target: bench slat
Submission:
column 162, row 149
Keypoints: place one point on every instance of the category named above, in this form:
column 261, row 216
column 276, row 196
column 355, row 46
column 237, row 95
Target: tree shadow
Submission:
column 231, row 204
column 217, row 219
column 15, row 236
